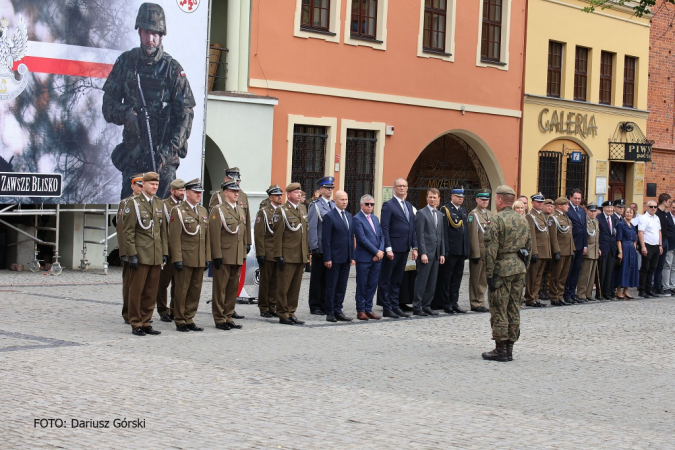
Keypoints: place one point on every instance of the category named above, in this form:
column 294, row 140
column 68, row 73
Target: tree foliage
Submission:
column 641, row 7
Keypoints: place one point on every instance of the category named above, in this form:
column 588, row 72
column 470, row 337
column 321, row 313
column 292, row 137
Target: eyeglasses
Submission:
column 369, row 204
column 650, row 206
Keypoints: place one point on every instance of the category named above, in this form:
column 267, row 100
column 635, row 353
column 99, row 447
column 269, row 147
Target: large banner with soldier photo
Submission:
column 94, row 91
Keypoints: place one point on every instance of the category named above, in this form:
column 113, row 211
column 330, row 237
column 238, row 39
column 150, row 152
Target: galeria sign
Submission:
column 569, row 123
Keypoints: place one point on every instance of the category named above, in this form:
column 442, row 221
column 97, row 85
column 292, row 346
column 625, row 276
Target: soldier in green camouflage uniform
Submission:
column 505, row 272
column 168, row 97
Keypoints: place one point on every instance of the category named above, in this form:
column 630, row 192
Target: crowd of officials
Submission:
column 556, row 251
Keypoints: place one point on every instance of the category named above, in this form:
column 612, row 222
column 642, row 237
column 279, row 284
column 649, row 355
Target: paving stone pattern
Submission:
column 594, row 376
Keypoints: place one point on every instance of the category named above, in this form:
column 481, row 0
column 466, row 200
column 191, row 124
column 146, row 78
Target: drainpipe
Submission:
column 522, row 105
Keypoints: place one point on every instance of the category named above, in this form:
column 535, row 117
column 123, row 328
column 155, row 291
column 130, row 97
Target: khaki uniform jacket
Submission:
column 151, row 244
column 593, row 230
column 169, row 204
column 541, row 243
column 227, row 243
column 193, row 249
column 479, row 223
column 218, row 199
column 120, row 226
column 293, row 246
column 263, row 230
column 561, row 241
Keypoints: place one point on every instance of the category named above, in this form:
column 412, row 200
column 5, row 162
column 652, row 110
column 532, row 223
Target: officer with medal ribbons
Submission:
column 589, row 267
column 291, row 252
column 479, row 223
column 227, row 234
column 562, row 246
column 136, row 187
column 147, row 248
column 164, row 309
column 315, row 214
column 264, row 249
column 541, row 250
column 190, row 248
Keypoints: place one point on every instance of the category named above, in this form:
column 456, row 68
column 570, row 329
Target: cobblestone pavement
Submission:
column 594, row 376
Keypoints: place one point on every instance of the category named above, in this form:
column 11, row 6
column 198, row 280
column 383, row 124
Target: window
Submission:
column 359, row 166
column 554, row 79
column 576, row 170
column 606, row 60
column 580, row 73
column 364, row 18
column 549, row 173
column 316, row 14
column 491, row 39
column 435, row 17
column 309, row 155
column 629, row 82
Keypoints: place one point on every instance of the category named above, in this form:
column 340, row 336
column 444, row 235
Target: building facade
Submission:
column 585, row 107
column 373, row 90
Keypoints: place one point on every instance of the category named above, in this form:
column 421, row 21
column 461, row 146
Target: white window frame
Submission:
column 333, row 23
column 380, row 34
column 506, row 33
column 331, row 124
column 449, row 34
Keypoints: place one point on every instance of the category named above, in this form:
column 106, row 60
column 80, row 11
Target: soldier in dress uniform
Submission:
column 541, row 249
column 164, row 309
column 227, row 230
column 590, row 265
column 147, row 248
column 508, row 248
column 264, row 250
column 136, row 187
column 315, row 213
column 190, row 248
column 291, row 251
column 479, row 223
column 549, row 206
column 562, row 246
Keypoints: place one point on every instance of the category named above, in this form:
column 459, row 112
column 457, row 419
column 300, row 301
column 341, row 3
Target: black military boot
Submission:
column 498, row 354
column 509, row 350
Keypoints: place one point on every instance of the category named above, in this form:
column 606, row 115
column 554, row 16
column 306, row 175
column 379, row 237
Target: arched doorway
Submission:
column 214, row 167
column 448, row 162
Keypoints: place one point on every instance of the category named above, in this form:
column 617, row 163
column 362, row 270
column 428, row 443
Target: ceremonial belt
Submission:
column 504, row 255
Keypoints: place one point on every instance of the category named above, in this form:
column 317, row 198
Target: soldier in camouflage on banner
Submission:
column 508, row 248
column 169, row 100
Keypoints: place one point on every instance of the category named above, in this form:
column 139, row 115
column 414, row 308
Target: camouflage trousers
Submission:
column 166, row 175
column 505, row 307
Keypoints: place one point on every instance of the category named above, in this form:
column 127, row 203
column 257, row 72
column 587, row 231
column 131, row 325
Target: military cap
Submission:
column 328, row 182
column 606, row 203
column 137, row 179
column 150, row 176
column 621, row 203
column 548, row 201
column 483, row 193
column 194, row 185
column 293, row 187
column 459, row 192
column 592, row 207
column 274, row 190
column 506, row 190
column 230, row 186
column 561, row 201
column 234, row 173
column 538, row 197
column 177, row 184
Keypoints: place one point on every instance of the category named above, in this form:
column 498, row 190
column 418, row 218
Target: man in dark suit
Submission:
column 607, row 224
column 398, row 227
column 455, row 224
column 662, row 212
column 368, row 255
column 317, row 209
column 430, row 238
column 668, row 275
column 338, row 254
column 578, row 218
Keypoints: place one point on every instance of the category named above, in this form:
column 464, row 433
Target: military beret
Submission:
column 234, row 173
column 459, row 192
column 150, row 176
column 137, row 179
column 293, row 187
column 194, row 185
column 483, row 193
column 230, row 186
column 504, row 189
column 539, row 197
column 274, row 190
column 177, row 184
column 561, row 201
column 548, row 201
column 621, row 203
column 592, row 207
column 606, row 203
column 326, row 182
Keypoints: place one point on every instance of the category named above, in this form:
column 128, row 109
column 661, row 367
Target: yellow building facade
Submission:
column 585, row 105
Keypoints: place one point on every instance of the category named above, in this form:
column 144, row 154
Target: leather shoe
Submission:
column 126, row 321
column 448, row 310
column 372, row 315
column 223, row 326
column 194, row 327
column 342, row 318
column 400, row 312
column 457, row 309
column 138, row 331
column 296, row 321
column 182, row 327
column 318, row 312
column 237, row 316
column 273, row 314
column 286, row 321
column 391, row 314
column 234, row 326
column 480, row 309
column 166, row 318
column 330, row 318
column 361, row 315
column 150, row 331
column 266, row 315
column 429, row 311
column 419, row 312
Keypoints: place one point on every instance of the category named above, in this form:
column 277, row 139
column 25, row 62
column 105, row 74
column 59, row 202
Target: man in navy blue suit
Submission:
column 338, row 254
column 607, row 242
column 577, row 216
column 398, row 227
column 368, row 256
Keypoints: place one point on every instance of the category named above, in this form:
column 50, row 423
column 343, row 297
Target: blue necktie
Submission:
column 344, row 218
